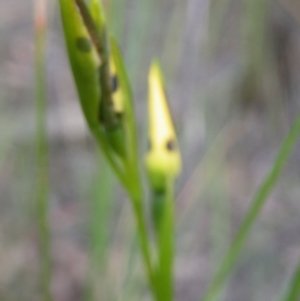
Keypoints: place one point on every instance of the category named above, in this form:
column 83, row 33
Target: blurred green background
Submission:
column 232, row 72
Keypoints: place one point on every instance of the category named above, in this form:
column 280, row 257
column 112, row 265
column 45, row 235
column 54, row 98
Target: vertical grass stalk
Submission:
column 100, row 214
column 255, row 208
column 144, row 243
column 42, row 180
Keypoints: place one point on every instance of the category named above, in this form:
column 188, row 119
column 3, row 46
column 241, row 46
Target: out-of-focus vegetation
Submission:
column 232, row 71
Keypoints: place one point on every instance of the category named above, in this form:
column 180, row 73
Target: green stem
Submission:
column 42, row 180
column 256, row 206
column 166, row 247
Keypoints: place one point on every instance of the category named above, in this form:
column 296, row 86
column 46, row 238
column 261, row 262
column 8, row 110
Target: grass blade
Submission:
column 256, row 206
column 101, row 210
column 42, row 180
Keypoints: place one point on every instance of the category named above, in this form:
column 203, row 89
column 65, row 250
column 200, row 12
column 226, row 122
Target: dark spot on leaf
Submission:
column 149, row 145
column 171, row 145
column 114, row 83
column 119, row 115
column 83, row 44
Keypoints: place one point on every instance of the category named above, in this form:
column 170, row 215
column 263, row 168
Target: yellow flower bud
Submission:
column 163, row 160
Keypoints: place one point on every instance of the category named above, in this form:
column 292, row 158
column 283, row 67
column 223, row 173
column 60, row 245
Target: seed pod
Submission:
column 96, row 75
column 110, row 111
column 163, row 160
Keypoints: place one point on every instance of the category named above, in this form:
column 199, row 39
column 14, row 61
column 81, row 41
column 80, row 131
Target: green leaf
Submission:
column 84, row 60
